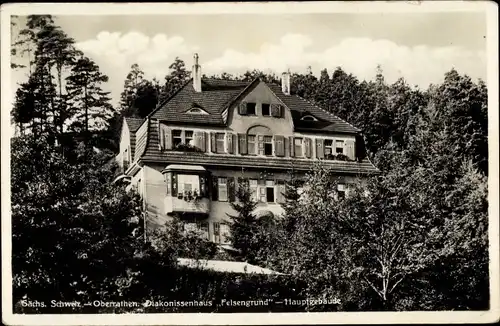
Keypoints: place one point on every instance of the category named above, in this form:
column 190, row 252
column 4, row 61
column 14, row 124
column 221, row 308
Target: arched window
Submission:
column 309, row 118
column 257, row 135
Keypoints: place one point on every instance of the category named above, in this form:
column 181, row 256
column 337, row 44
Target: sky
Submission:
column 420, row 47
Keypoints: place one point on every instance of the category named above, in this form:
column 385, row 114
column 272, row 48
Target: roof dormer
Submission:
column 196, row 110
column 308, row 117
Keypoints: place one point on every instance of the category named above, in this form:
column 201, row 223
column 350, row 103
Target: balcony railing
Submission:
column 187, row 203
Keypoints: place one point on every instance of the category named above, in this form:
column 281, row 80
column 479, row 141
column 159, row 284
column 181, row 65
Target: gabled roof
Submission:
column 133, row 124
column 217, row 95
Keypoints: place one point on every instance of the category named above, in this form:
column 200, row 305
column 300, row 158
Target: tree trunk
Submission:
column 59, row 80
column 86, row 116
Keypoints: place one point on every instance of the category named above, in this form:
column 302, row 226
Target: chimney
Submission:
column 196, row 74
column 285, row 82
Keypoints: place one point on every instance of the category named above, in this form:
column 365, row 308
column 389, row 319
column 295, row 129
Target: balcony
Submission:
column 187, row 190
column 185, row 204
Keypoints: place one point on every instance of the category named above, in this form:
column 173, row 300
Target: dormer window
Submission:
column 309, row 118
column 197, row 110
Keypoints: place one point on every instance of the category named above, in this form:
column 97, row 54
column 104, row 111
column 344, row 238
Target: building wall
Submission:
column 151, row 185
column 154, row 195
column 124, row 144
column 260, row 94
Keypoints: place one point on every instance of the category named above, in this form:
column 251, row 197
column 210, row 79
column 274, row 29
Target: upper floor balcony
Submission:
column 187, row 190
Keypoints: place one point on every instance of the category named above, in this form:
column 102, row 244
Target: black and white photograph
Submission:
column 250, row 163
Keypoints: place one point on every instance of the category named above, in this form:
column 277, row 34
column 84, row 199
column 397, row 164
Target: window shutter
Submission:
column 230, row 189
column 242, row 143
column 320, row 152
column 174, row 185
column 203, row 186
column 161, row 137
column 280, row 191
column 349, row 145
column 292, row 146
column 168, row 137
column 215, row 188
column 279, row 143
column 203, row 141
column 286, row 146
column 275, row 110
column 307, row 147
column 197, row 139
column 242, row 108
column 213, row 143
column 260, row 140
column 229, row 143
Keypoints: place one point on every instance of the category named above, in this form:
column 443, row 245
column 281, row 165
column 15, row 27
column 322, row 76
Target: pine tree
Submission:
column 244, row 226
column 50, row 51
column 134, row 80
column 146, row 98
column 88, row 101
column 177, row 77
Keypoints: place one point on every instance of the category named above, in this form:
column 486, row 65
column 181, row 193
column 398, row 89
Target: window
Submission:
column 341, row 190
column 298, row 146
column 251, row 144
column 268, row 145
column 222, row 184
column 269, row 191
column 221, row 232
column 203, row 228
column 168, row 182
column 253, row 190
column 224, row 232
column 188, row 184
column 266, row 109
column 251, row 108
column 177, row 137
column 188, row 137
column 220, row 142
column 217, row 238
column 308, row 118
column 182, row 137
column 196, row 110
column 190, row 227
column 339, row 147
column 328, row 146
